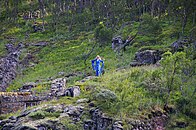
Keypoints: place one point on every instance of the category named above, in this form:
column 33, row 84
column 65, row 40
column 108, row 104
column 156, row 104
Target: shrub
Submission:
column 150, row 25
column 103, row 34
column 37, row 115
column 106, row 95
column 42, row 114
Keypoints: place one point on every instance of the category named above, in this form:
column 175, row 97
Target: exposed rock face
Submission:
column 98, row 121
column 146, row 57
column 25, row 121
column 11, row 102
column 156, row 120
column 116, row 42
column 58, row 87
column 179, row 45
column 8, row 65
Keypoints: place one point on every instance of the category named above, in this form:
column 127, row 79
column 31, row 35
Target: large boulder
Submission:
column 147, row 57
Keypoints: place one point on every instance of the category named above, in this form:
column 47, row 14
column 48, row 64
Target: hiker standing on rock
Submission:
column 97, row 67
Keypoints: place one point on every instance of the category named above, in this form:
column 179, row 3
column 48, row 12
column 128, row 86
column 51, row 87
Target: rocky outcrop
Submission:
column 58, row 87
column 27, row 87
column 156, row 120
column 146, row 57
column 116, row 42
column 14, row 101
column 98, row 121
column 179, row 45
column 8, row 65
column 92, row 118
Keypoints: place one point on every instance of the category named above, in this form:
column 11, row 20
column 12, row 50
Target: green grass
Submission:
column 125, row 84
column 66, row 52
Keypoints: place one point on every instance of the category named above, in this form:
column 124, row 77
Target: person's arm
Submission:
column 102, row 64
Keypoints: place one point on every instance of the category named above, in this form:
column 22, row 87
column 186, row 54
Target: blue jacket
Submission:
column 97, row 67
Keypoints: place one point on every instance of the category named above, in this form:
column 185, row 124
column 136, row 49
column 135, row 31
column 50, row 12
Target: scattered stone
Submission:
column 61, row 73
column 63, row 115
column 54, row 108
column 73, row 91
column 87, row 78
column 73, row 110
column 89, row 125
column 42, row 43
column 118, row 125
column 58, row 83
column 84, row 100
column 27, row 87
column 91, row 104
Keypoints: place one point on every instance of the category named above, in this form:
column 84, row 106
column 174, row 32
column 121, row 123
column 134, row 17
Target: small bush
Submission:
column 37, row 115
column 106, row 95
column 43, row 114
column 103, row 34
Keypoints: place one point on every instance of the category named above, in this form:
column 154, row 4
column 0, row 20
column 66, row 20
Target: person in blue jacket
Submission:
column 96, row 65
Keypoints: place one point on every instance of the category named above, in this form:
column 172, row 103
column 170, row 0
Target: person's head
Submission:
column 98, row 57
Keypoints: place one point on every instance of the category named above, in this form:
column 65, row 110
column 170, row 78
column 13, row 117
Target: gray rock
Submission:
column 8, row 65
column 12, row 118
column 73, row 110
column 58, row 83
column 118, row 125
column 116, row 42
column 87, row 78
column 89, row 125
column 54, row 108
column 148, row 56
column 179, row 44
column 99, row 121
column 42, row 43
column 73, row 91
column 27, row 87
column 57, row 87
column 84, row 100
column 8, row 126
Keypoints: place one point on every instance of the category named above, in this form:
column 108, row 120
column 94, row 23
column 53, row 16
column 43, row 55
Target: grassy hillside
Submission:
column 132, row 91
